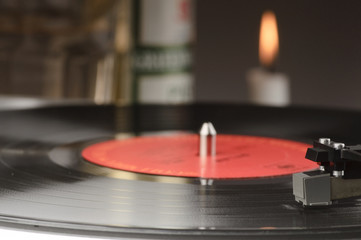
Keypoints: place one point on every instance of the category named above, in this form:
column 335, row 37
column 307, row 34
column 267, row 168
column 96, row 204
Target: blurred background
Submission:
column 178, row 51
column 320, row 49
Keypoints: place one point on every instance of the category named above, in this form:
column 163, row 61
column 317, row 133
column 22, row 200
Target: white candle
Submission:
column 267, row 87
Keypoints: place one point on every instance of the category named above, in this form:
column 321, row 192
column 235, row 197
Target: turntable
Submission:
column 147, row 172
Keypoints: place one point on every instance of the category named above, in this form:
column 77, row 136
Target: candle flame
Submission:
column 268, row 39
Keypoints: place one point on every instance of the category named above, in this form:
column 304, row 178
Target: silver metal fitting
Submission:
column 337, row 173
column 338, row 146
column 207, row 140
column 326, row 141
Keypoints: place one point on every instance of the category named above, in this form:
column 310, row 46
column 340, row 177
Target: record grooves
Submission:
column 45, row 182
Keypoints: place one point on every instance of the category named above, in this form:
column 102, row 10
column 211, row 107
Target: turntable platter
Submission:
column 45, row 182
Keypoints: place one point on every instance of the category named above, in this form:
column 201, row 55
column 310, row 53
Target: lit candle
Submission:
column 265, row 85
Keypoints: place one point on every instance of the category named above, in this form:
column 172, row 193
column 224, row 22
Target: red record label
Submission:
column 237, row 156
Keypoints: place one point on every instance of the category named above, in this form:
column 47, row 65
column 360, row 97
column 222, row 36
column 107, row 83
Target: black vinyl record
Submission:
column 45, row 183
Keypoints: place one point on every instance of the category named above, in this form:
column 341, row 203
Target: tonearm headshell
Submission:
column 338, row 176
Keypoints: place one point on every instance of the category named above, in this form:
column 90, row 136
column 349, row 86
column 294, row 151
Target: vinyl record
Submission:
column 46, row 182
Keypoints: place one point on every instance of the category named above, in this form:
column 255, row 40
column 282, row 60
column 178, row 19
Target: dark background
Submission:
column 320, row 49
